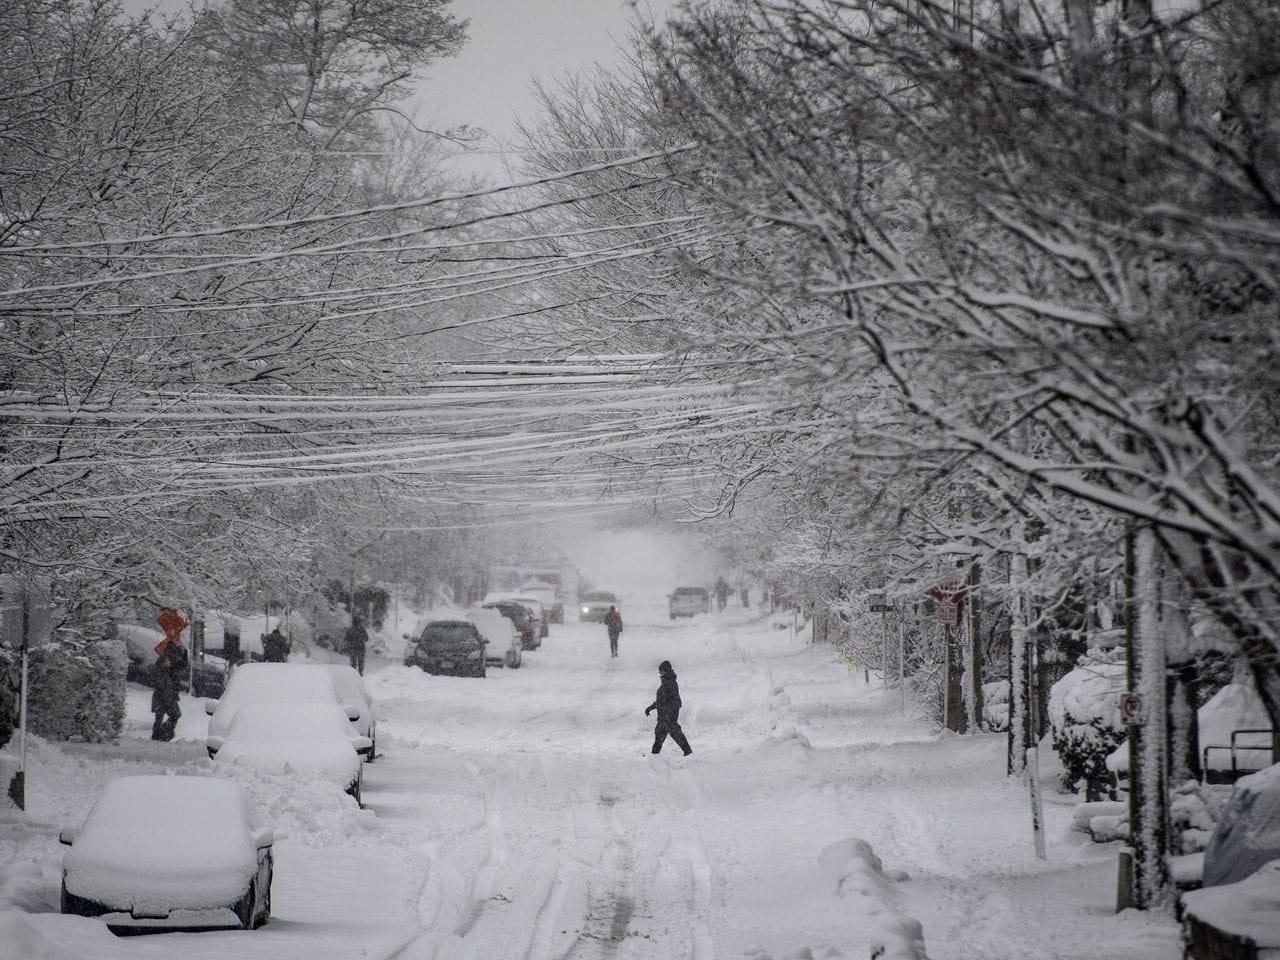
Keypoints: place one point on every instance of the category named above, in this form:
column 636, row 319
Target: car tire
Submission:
column 266, row 897
column 243, row 907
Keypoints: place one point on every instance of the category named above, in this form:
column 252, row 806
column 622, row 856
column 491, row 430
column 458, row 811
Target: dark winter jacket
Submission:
column 167, row 674
column 668, row 702
column 275, row 647
column 356, row 637
column 613, row 621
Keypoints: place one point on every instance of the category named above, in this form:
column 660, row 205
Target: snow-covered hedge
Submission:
column 995, row 705
column 1084, row 717
column 77, row 694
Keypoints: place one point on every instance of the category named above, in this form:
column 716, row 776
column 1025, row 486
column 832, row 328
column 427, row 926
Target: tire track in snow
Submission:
column 609, row 865
column 684, row 857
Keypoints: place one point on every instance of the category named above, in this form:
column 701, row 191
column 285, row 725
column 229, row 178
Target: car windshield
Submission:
column 691, row 592
column 449, row 633
column 599, row 596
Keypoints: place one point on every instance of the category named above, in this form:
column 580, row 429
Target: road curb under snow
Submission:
column 855, row 871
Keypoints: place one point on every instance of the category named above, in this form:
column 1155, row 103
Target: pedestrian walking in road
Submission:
column 668, row 706
column 722, row 592
column 275, row 647
column 356, row 639
column 613, row 622
column 167, row 674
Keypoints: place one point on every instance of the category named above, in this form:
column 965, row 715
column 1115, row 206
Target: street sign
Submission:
column 949, row 591
column 948, row 612
column 881, row 608
column 1131, row 710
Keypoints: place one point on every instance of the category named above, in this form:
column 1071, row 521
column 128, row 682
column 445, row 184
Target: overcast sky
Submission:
column 510, row 43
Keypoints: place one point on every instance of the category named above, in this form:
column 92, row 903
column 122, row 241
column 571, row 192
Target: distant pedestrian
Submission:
column 613, row 622
column 275, row 647
column 355, row 640
column 167, row 674
column 668, row 706
column 722, row 592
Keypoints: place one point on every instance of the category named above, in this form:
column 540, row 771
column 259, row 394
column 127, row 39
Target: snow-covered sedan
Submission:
column 304, row 739
column 169, row 852
column 272, row 683
column 351, row 689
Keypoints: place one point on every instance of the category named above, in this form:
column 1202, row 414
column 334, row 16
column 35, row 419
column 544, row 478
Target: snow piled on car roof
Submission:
column 138, row 849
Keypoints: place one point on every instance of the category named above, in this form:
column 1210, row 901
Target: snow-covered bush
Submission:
column 995, row 705
column 77, row 693
column 1194, row 811
column 1084, row 717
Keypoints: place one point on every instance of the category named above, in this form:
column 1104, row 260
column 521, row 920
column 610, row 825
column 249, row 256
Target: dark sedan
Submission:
column 448, row 647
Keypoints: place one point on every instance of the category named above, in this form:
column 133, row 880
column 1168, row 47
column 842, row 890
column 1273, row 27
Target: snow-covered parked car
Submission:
column 169, row 852
column 272, row 683
column 688, row 602
column 351, row 689
column 1247, row 835
column 503, row 647
column 451, row 647
column 524, row 618
column 306, row 739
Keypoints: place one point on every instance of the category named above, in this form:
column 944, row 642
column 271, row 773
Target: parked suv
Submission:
column 453, row 647
column 687, row 601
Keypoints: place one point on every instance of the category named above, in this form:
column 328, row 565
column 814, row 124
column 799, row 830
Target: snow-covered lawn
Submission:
column 521, row 817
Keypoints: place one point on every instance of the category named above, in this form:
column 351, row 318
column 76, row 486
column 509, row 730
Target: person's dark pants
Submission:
column 665, row 728
column 613, row 643
column 166, row 722
column 357, row 660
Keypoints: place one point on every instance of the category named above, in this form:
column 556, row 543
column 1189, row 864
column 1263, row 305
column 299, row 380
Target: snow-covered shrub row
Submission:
column 77, row 694
column 1084, row 717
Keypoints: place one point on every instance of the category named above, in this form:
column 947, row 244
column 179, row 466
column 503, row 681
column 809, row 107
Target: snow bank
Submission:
column 22, row 939
column 1248, row 908
column 852, row 868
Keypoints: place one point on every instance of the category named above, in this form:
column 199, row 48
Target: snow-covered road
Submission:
column 521, row 817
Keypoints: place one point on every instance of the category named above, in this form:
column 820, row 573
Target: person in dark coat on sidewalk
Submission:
column 613, row 622
column 275, row 647
column 356, row 638
column 668, row 706
column 167, row 674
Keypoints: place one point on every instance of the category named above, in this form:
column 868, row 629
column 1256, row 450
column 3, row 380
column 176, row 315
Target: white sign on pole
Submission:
column 1131, row 709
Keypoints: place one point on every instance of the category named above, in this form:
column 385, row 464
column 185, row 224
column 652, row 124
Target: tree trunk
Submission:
column 1019, row 685
column 975, row 648
column 1148, row 783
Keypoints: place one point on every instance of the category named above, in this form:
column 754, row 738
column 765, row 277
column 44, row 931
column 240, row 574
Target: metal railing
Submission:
column 1236, row 749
